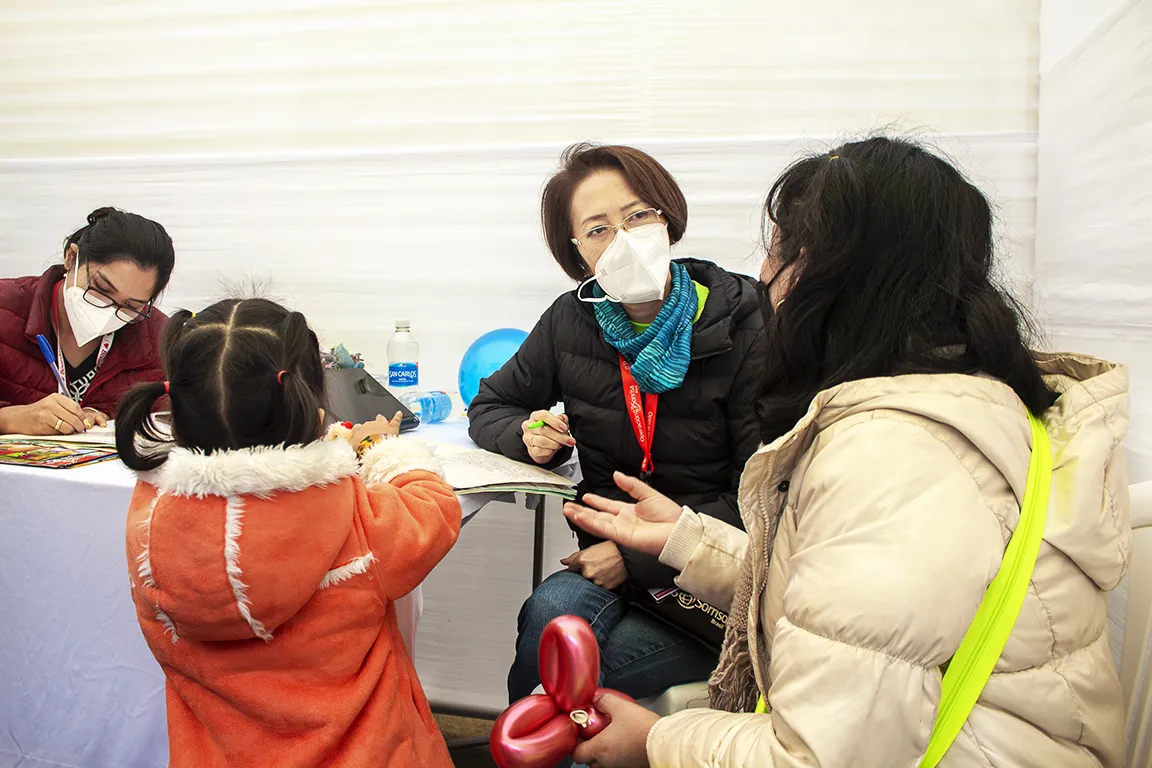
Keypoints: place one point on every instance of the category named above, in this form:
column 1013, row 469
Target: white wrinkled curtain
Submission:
column 1094, row 249
column 369, row 160
column 1094, row 220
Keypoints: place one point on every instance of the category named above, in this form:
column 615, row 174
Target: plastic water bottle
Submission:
column 431, row 407
column 403, row 359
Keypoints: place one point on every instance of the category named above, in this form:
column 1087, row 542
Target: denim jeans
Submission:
column 639, row 654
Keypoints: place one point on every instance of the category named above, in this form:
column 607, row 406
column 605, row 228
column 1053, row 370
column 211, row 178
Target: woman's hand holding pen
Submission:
column 54, row 415
column 545, row 433
column 63, row 415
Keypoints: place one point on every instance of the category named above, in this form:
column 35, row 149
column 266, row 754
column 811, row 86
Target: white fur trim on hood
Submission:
column 348, row 570
column 233, row 524
column 144, row 559
column 169, row 627
column 258, row 471
column 338, row 431
column 389, row 459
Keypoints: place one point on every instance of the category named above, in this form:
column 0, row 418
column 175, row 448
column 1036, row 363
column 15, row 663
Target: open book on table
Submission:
column 471, row 470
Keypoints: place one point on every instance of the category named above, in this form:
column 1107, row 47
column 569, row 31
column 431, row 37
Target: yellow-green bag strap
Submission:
column 970, row 668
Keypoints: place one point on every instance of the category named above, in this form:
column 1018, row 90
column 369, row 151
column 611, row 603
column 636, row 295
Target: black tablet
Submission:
column 353, row 395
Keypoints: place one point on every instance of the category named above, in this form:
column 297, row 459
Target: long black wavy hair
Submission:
column 889, row 254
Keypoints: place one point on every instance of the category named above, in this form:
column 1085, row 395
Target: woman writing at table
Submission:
column 656, row 363
column 96, row 312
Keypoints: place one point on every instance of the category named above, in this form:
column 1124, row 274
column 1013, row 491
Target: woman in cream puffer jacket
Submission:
column 878, row 513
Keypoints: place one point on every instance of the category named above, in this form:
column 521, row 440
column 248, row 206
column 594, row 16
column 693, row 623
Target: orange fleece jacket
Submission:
column 264, row 582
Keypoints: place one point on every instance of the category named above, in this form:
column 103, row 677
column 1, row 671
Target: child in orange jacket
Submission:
column 265, row 561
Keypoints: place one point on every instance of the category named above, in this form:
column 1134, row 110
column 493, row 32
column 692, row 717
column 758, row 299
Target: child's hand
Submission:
column 391, row 427
column 381, row 427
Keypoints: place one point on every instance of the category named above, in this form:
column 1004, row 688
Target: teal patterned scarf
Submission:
column 660, row 355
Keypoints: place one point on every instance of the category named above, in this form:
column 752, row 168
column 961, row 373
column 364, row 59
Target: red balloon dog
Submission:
column 540, row 731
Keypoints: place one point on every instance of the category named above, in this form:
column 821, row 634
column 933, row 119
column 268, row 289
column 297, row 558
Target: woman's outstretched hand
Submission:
column 643, row 527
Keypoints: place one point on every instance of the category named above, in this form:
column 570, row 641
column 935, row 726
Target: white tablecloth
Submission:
column 78, row 685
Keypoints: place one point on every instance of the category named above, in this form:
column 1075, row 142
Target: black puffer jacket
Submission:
column 705, row 430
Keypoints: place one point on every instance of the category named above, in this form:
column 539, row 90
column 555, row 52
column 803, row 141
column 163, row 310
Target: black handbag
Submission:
column 682, row 610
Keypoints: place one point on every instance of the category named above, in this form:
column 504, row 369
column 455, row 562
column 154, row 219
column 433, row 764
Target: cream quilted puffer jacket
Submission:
column 898, row 496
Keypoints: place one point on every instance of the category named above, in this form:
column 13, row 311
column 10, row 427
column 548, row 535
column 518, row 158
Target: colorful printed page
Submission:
column 37, row 454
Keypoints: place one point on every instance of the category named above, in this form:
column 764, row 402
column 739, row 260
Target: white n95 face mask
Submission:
column 634, row 267
column 88, row 322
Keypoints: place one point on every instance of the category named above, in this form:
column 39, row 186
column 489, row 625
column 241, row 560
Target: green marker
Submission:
column 536, row 424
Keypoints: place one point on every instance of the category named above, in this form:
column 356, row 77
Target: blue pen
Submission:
column 46, row 350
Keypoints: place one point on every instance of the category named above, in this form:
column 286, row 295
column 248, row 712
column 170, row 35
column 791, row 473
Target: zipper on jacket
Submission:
column 711, row 354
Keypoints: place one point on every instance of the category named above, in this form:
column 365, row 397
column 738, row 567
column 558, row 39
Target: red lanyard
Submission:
column 105, row 343
column 642, row 415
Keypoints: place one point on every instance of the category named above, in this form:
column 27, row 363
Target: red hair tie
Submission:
column 280, row 377
column 167, row 388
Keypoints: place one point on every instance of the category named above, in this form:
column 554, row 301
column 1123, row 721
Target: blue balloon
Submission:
column 486, row 356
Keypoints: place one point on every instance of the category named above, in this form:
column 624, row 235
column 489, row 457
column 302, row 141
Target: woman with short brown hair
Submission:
column 655, row 362
column 638, row 169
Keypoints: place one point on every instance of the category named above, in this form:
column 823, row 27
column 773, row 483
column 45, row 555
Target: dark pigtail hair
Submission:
column 133, row 422
column 303, row 376
column 171, row 334
column 135, row 427
column 225, row 383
